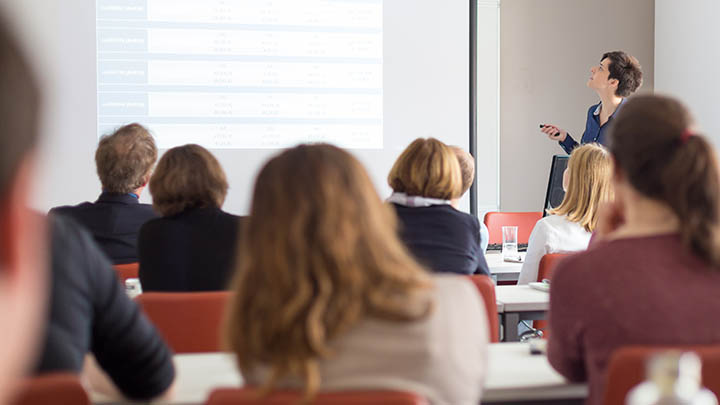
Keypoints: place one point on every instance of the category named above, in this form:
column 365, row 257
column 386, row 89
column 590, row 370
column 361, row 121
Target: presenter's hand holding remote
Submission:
column 553, row 132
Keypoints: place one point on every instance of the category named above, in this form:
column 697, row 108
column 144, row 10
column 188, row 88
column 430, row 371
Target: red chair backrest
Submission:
column 525, row 221
column 249, row 396
column 189, row 321
column 55, row 389
column 486, row 288
column 548, row 264
column 627, row 369
column 126, row 271
column 546, row 270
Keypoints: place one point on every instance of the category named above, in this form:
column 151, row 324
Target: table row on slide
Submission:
column 318, row 13
column 248, row 105
column 171, row 74
column 169, row 133
column 128, row 41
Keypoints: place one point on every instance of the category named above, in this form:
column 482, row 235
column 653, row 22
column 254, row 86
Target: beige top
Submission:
column 442, row 357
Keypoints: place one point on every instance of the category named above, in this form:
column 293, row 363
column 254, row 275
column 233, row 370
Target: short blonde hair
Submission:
column 427, row 168
column 467, row 167
column 125, row 158
column 186, row 177
column 590, row 169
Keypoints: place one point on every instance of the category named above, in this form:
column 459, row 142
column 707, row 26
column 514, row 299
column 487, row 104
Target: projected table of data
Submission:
column 242, row 73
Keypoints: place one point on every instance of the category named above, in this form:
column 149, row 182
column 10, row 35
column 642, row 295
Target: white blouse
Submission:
column 552, row 234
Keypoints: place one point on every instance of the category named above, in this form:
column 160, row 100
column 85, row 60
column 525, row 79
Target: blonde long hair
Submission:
column 590, row 168
column 320, row 252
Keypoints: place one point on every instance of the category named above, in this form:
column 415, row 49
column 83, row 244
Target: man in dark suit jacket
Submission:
column 124, row 162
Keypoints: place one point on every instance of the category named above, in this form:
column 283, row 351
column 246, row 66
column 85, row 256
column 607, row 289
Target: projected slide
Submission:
column 245, row 74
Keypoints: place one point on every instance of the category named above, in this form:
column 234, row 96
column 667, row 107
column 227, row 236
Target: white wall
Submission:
column 546, row 50
column 687, row 57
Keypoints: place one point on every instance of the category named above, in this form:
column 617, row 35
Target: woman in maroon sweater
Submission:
column 652, row 275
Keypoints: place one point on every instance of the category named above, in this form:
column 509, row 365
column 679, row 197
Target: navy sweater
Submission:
column 442, row 238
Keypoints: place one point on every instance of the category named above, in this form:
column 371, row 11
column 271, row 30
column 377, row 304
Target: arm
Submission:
column 127, row 347
column 484, row 237
column 568, row 144
column 482, row 266
column 566, row 351
column 537, row 248
column 558, row 134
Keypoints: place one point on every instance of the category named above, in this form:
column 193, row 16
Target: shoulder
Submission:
column 147, row 210
column 71, row 209
column 583, row 271
column 457, row 291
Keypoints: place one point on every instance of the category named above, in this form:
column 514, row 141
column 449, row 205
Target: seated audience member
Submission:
column 652, row 273
column 124, row 161
column 192, row 247
column 90, row 312
column 467, row 169
column 23, row 249
column 328, row 298
column 426, row 179
column 569, row 226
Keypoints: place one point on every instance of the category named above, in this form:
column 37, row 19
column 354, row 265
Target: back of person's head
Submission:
column 125, row 158
column 626, row 70
column 187, row 177
column 319, row 253
column 22, row 233
column 589, row 185
column 427, row 168
column 660, row 156
column 467, row 167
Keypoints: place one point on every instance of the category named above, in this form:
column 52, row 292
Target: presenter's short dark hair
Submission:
column 124, row 158
column 626, row 69
column 19, row 107
column 187, row 177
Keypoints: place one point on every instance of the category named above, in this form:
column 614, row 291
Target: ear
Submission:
column 146, row 179
column 614, row 83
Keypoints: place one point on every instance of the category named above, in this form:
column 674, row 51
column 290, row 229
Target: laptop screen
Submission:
column 555, row 193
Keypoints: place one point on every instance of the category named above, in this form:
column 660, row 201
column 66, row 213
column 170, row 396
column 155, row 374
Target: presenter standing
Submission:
column 616, row 77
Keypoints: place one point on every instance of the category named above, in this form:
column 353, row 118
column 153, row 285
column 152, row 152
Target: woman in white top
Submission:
column 328, row 298
column 569, row 226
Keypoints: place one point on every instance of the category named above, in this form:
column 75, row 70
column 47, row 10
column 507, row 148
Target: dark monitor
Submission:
column 555, row 193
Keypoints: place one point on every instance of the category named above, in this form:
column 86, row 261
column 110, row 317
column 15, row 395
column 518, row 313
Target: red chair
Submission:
column 189, row 321
column 545, row 271
column 126, row 271
column 55, row 389
column 548, row 263
column 248, row 396
column 525, row 221
column 486, row 288
column 627, row 369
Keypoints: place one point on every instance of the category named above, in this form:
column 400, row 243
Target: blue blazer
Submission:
column 443, row 239
column 114, row 221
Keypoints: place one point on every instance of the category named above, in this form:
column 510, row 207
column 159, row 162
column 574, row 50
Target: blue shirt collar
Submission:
column 599, row 106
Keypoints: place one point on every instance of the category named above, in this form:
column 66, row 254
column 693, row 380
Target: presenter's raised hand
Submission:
column 553, row 132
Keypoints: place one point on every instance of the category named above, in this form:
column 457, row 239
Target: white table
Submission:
column 513, row 375
column 519, row 303
column 501, row 270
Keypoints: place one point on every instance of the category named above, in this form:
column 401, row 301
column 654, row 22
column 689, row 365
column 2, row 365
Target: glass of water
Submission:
column 510, row 246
